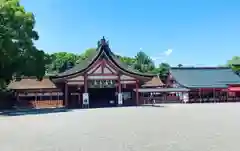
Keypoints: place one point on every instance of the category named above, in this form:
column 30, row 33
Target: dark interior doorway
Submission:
column 102, row 97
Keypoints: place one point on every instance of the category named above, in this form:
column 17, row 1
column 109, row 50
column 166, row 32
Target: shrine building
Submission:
column 102, row 80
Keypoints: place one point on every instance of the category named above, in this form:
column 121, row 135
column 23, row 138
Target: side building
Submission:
column 207, row 84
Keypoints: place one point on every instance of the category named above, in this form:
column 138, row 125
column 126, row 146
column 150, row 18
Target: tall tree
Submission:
column 61, row 61
column 17, row 37
column 128, row 60
column 143, row 62
column 88, row 53
column 162, row 70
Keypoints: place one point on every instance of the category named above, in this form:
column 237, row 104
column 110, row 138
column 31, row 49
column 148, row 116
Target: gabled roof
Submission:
column 154, row 82
column 32, row 83
column 103, row 48
column 205, row 77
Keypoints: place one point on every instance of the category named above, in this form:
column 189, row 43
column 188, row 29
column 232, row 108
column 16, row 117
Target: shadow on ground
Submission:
column 22, row 112
column 153, row 105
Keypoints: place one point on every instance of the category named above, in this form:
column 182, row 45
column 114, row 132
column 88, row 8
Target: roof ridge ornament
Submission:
column 103, row 42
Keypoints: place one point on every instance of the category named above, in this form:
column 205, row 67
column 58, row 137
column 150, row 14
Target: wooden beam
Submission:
column 98, row 66
column 108, row 66
column 102, row 74
column 93, row 65
column 112, row 65
column 103, row 64
column 75, row 81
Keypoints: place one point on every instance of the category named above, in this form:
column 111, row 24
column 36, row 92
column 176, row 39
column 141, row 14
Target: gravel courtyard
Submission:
column 174, row 127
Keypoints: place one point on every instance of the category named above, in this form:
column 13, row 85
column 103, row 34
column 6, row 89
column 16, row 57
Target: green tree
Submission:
column 234, row 63
column 128, row 60
column 61, row 61
column 143, row 62
column 17, row 48
column 162, row 70
column 180, row 65
column 88, row 53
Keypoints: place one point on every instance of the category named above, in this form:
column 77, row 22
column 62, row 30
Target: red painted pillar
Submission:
column 199, row 93
column 66, row 95
column 137, row 94
column 119, row 85
column 214, row 95
column 85, row 84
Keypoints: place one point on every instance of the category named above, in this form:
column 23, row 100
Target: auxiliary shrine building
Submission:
column 102, row 80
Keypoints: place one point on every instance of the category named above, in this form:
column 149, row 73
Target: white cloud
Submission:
column 117, row 53
column 168, row 52
column 162, row 57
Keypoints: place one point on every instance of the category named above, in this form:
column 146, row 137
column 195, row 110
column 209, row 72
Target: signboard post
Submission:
column 185, row 97
column 120, row 99
column 85, row 100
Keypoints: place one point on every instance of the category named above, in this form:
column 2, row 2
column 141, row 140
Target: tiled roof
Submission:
column 32, row 83
column 154, row 82
column 205, row 77
column 80, row 66
column 162, row 90
column 84, row 64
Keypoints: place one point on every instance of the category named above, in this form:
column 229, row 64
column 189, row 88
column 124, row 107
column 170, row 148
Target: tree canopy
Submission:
column 19, row 56
column 234, row 63
column 62, row 61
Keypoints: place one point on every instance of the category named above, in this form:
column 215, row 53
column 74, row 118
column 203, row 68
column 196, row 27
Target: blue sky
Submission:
column 190, row 32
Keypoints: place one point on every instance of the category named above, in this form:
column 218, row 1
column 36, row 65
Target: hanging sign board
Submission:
column 101, row 84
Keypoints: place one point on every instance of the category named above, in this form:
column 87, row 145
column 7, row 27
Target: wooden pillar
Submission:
column 85, row 84
column 66, row 95
column 119, row 85
column 199, row 93
column 58, row 101
column 214, row 95
column 137, row 94
column 119, row 94
column 18, row 100
column 85, row 94
column 51, row 101
column 227, row 95
column 35, row 99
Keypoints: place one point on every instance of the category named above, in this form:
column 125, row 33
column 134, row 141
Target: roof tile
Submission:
column 205, row 77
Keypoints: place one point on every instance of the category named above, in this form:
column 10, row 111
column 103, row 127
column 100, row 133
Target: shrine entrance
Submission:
column 102, row 97
column 102, row 93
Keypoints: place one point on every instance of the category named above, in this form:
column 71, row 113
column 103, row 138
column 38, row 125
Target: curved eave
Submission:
column 101, row 50
column 80, row 71
column 124, row 69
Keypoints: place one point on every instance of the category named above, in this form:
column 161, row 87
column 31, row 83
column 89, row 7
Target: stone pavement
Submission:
column 181, row 127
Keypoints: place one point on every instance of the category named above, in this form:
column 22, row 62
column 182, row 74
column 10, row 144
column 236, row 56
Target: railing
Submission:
column 176, row 99
column 162, row 99
column 40, row 103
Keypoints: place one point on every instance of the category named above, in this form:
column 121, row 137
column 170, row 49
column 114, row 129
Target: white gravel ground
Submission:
column 183, row 127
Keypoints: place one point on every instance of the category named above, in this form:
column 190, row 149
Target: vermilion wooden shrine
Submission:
column 102, row 80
